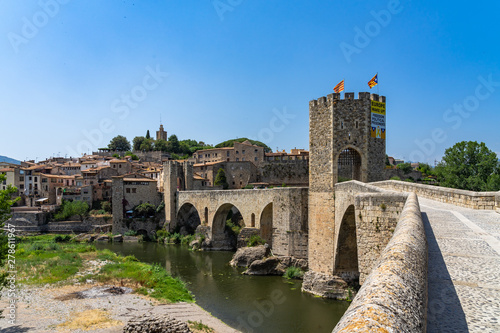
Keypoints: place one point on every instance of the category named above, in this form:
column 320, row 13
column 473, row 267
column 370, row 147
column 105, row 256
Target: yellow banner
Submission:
column 378, row 120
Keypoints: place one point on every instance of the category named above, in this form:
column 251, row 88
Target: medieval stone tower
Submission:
column 346, row 141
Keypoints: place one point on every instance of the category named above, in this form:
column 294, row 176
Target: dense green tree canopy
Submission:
column 471, row 166
column 119, row 143
column 230, row 143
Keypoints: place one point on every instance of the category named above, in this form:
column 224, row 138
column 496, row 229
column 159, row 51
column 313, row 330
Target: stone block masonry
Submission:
column 394, row 296
column 463, row 198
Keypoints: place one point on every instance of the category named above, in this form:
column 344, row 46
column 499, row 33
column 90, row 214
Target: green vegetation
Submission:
column 425, row 169
column 106, row 206
column 220, row 179
column 341, row 179
column 178, row 149
column 6, row 202
column 199, row 327
column 131, row 233
column 470, row 166
column 405, row 167
column 255, row 240
column 235, row 228
column 132, row 155
column 230, row 143
column 119, row 143
column 42, row 260
column 144, row 210
column 293, row 273
column 395, row 178
column 72, row 208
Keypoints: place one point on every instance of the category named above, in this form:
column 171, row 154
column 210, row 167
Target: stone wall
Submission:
column 293, row 172
column 463, row 198
column 335, row 126
column 280, row 214
column 376, row 214
column 394, row 296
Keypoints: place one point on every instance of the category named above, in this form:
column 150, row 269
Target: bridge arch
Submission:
column 188, row 219
column 219, row 234
column 346, row 256
column 349, row 163
column 266, row 224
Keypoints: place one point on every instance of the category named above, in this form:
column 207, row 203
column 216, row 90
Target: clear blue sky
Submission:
column 234, row 65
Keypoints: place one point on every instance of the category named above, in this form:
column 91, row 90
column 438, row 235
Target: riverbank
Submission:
column 67, row 286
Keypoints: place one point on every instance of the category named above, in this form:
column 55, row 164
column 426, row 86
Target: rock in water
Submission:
column 245, row 256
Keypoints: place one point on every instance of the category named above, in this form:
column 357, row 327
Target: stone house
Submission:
column 240, row 152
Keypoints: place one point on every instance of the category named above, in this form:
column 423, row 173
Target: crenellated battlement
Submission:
column 348, row 96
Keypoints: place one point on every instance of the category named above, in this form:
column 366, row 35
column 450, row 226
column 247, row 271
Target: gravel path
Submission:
column 44, row 309
column 464, row 268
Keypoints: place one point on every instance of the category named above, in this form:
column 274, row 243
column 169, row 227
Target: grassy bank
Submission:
column 55, row 259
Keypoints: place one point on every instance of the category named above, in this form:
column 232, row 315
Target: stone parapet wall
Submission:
column 394, row 296
column 376, row 214
column 463, row 198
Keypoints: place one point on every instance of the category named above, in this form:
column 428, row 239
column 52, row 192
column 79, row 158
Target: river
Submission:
column 247, row 303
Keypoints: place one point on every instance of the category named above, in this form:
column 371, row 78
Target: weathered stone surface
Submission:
column 267, row 266
column 245, row 256
column 102, row 238
column 394, row 296
column 463, row 198
column 325, row 285
column 117, row 238
column 245, row 235
column 155, row 324
column 130, row 239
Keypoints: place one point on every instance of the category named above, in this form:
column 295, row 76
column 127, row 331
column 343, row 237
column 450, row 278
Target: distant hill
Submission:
column 9, row 160
column 230, row 143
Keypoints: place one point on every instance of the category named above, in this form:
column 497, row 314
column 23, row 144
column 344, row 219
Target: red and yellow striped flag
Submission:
column 339, row 87
column 373, row 82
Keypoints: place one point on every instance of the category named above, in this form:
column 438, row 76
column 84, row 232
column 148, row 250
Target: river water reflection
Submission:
column 248, row 303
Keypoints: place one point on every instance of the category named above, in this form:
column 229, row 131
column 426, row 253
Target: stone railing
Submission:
column 394, row 296
column 463, row 198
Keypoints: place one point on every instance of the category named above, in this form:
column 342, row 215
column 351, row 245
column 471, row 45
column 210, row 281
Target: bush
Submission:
column 235, row 228
column 405, row 167
column 144, row 210
column 71, row 208
column 255, row 240
column 248, row 187
column 131, row 233
column 106, row 206
column 293, row 273
column 62, row 239
column 395, row 178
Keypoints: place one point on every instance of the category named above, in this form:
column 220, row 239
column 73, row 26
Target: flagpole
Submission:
column 378, row 90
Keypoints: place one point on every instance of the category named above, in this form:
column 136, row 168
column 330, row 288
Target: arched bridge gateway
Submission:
column 278, row 215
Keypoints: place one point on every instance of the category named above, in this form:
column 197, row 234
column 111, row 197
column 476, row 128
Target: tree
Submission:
column 470, row 166
column 230, row 143
column 173, row 144
column 119, row 143
column 147, row 135
column 220, row 179
column 405, row 167
column 160, row 145
column 387, row 160
column 146, row 145
column 425, row 169
column 6, row 202
column 72, row 208
column 144, row 210
column 138, row 140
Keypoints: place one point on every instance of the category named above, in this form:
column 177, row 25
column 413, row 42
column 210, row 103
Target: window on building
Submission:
column 237, row 159
column 21, row 186
column 243, row 159
column 134, row 190
column 237, row 152
column 243, row 151
column 30, row 178
column 255, row 159
column 127, row 190
column 256, row 150
column 228, row 159
column 228, row 155
column 341, row 125
column 21, row 178
column 120, row 166
column 356, row 124
column 36, row 179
